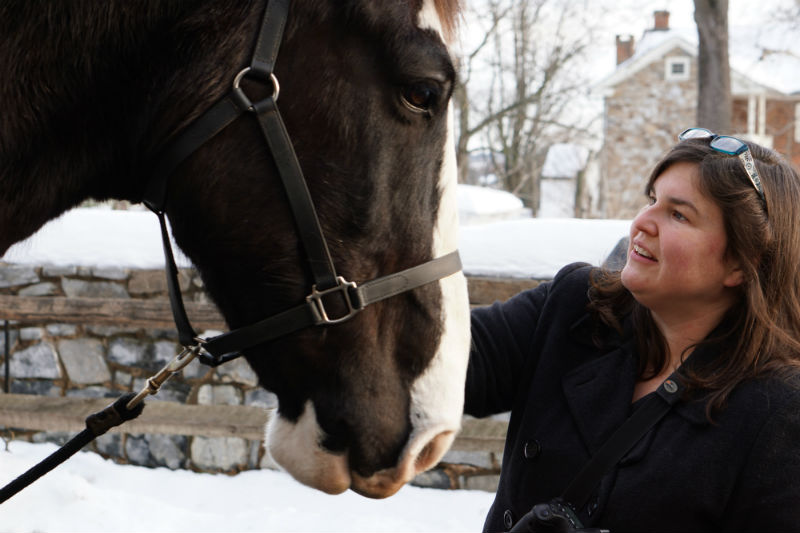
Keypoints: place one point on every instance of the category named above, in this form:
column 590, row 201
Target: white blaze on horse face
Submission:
column 295, row 446
column 437, row 396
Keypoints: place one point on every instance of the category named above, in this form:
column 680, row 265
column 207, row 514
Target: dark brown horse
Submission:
column 93, row 91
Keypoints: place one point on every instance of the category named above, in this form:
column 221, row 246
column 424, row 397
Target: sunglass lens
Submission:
column 695, row 133
column 728, row 145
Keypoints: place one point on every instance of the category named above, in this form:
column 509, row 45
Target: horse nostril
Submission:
column 433, row 451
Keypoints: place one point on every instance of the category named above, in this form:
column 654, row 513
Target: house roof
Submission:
column 762, row 59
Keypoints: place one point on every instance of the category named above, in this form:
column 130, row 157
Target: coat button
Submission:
column 532, row 449
column 508, row 519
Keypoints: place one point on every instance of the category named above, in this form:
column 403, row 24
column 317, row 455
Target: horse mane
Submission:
column 449, row 12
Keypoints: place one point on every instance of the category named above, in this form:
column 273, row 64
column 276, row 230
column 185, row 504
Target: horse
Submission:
column 94, row 92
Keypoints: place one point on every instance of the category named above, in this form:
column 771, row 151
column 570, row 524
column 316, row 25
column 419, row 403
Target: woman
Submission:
column 711, row 287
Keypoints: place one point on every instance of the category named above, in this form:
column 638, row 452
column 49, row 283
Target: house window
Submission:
column 676, row 69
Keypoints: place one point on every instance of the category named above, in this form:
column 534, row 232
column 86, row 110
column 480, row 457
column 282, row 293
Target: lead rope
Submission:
column 126, row 407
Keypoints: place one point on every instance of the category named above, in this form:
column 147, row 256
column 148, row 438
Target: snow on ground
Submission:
column 90, row 494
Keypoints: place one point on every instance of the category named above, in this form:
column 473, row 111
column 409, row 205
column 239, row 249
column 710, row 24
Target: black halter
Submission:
column 312, row 312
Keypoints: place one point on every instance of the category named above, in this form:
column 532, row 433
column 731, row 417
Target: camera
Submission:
column 555, row 516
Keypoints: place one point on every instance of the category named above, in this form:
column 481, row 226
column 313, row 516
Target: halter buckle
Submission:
column 315, row 299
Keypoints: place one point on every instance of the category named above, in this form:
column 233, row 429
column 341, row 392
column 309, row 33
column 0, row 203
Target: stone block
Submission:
column 40, row 289
column 261, row 398
column 109, row 444
column 238, row 371
column 17, row 275
column 196, row 370
column 91, row 392
column 147, row 282
column 163, row 352
column 108, row 331
column 168, row 450
column 31, row 334
column 56, row 437
column 61, row 330
column 122, row 379
column 219, row 395
column 155, row 281
column 137, row 450
column 78, row 288
column 37, row 387
column 56, row 271
column 84, row 360
column 128, row 352
column 110, row 272
column 37, row 361
column 219, row 453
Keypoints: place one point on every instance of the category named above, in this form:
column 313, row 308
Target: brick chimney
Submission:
column 624, row 48
column 661, row 20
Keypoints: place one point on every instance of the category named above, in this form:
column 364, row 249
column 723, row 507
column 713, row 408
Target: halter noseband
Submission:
column 313, row 311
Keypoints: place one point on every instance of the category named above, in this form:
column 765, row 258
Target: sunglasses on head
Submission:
column 730, row 146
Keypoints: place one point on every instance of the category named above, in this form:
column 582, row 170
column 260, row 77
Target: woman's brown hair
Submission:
column 760, row 333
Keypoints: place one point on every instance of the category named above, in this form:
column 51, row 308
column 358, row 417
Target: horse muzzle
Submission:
column 296, row 447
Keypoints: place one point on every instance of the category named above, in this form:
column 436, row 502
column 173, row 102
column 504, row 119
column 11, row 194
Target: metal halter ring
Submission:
column 276, row 87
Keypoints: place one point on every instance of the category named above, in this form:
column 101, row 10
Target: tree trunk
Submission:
column 714, row 103
column 461, row 108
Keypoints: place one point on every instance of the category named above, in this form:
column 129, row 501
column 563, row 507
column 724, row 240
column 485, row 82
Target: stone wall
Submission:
column 61, row 359
column 644, row 115
column 106, row 361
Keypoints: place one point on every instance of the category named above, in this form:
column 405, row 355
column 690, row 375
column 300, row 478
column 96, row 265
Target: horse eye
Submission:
column 419, row 97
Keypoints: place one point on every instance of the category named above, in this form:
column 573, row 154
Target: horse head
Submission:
column 364, row 89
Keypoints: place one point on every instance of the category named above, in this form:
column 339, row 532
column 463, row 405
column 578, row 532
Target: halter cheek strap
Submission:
column 327, row 284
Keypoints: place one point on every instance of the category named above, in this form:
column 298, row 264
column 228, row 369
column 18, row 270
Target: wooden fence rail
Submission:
column 44, row 413
column 157, row 313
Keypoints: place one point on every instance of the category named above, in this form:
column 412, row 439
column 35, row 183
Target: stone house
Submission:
column 651, row 97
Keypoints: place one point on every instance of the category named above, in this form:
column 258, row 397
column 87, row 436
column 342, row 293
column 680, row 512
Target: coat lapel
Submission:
column 599, row 392
column 599, row 395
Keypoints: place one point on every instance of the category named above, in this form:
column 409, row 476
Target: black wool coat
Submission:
column 534, row 356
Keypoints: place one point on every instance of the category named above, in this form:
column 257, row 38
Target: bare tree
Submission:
column 519, row 84
column 714, row 103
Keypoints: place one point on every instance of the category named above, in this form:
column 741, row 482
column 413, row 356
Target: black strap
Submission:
column 96, row 425
column 305, row 216
column 269, row 39
column 216, row 119
column 308, row 313
column 628, row 434
column 186, row 334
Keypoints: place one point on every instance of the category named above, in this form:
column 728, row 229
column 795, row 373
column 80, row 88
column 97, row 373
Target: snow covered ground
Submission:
column 90, row 494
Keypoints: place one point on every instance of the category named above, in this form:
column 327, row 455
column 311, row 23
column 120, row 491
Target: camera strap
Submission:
column 579, row 491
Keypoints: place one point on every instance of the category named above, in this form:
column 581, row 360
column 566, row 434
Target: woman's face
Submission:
column 676, row 256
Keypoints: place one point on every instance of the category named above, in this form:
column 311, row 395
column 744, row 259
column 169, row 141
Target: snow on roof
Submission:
column 564, row 160
column 767, row 55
